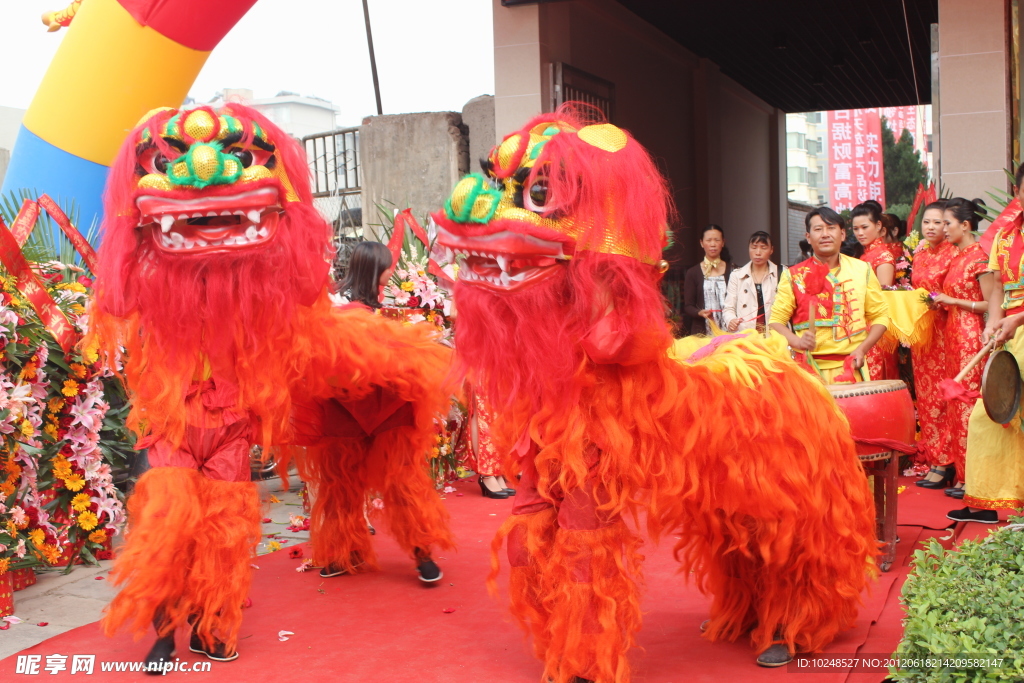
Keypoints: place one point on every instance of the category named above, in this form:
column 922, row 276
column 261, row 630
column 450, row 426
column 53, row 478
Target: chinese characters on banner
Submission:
column 900, row 118
column 855, row 157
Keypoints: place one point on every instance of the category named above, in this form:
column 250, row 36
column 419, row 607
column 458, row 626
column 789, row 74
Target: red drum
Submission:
column 881, row 413
column 881, row 416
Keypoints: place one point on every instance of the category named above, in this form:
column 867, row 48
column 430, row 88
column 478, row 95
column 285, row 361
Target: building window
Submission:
column 797, row 174
column 795, row 140
column 813, row 117
column 812, row 147
column 812, row 179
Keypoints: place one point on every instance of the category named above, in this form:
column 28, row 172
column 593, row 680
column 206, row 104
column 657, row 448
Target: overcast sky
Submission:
column 432, row 55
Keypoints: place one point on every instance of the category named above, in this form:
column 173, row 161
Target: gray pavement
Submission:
column 66, row 601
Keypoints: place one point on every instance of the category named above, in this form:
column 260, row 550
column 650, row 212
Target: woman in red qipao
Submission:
column 870, row 232
column 965, row 295
column 931, row 263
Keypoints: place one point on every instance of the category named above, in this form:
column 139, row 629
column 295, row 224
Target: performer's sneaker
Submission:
column 217, row 653
column 159, row 656
column 429, row 571
column 775, row 656
column 337, row 570
column 965, row 515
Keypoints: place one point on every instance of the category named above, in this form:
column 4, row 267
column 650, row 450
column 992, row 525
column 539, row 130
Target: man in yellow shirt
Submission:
column 850, row 315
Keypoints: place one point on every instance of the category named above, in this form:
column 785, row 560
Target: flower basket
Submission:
column 22, row 579
column 6, row 595
column 70, row 550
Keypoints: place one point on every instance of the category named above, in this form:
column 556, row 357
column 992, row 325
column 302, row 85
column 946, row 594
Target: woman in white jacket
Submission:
column 748, row 301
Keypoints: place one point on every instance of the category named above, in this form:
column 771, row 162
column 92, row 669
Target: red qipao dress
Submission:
column 881, row 364
column 931, row 263
column 962, row 340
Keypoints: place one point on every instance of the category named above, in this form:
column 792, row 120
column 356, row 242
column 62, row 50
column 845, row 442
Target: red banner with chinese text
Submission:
column 855, row 157
column 32, row 289
column 899, row 119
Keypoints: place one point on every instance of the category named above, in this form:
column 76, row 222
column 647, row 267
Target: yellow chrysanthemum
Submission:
column 5, row 564
column 70, row 388
column 74, row 483
column 90, row 355
column 11, row 528
column 51, row 430
column 6, row 489
column 78, row 370
column 27, row 429
column 98, row 536
column 29, row 371
column 77, row 287
column 273, row 546
column 408, row 286
column 88, row 520
column 61, row 467
column 55, row 404
column 37, row 537
column 77, row 308
column 81, row 502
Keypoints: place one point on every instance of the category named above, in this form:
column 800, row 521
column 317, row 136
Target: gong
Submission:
column 1000, row 387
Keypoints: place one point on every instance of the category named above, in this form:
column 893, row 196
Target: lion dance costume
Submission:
column 213, row 283
column 735, row 448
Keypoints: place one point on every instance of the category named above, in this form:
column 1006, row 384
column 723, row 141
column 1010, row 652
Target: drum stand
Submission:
column 884, row 470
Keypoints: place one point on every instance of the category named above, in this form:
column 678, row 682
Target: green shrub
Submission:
column 968, row 602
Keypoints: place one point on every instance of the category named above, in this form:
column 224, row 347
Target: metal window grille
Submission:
column 569, row 84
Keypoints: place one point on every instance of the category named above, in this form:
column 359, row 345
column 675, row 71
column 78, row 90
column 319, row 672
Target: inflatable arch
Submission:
column 119, row 59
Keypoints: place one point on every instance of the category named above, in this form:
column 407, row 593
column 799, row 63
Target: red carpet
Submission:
column 388, row 627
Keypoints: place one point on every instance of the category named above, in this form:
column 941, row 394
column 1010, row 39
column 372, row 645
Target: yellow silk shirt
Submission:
column 857, row 304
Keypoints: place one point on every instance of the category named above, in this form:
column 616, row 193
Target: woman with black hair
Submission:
column 871, row 233
column 705, row 285
column 751, row 289
column 965, row 293
column 368, row 271
column 931, row 263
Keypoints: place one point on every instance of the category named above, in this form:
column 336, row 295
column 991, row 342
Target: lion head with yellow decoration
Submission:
column 562, row 237
column 210, row 242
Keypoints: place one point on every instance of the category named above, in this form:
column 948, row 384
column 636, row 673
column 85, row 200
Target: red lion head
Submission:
column 210, row 245
column 562, row 236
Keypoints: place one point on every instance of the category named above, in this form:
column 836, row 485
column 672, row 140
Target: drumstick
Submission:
column 985, row 350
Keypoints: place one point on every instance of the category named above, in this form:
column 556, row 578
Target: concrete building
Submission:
column 297, row 115
column 807, row 158
column 10, row 121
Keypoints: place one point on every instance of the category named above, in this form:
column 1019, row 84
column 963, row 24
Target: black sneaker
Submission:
column 332, row 570
column 429, row 571
column 217, row 653
column 775, row 656
column 160, row 658
column 965, row 515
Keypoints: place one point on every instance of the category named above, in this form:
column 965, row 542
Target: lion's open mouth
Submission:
column 504, row 260
column 214, row 223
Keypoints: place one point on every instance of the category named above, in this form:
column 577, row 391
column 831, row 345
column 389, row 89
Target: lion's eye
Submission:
column 537, row 198
column 159, row 163
column 244, row 156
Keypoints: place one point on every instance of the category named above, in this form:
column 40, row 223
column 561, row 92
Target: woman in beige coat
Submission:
column 751, row 291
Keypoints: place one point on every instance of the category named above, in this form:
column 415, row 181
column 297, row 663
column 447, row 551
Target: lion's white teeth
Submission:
column 166, row 221
column 502, row 262
column 177, row 239
column 504, row 278
column 252, row 233
column 262, row 232
column 254, row 216
column 200, row 243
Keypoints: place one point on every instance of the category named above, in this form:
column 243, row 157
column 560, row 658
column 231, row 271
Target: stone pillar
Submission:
column 478, row 118
column 412, row 161
column 974, row 96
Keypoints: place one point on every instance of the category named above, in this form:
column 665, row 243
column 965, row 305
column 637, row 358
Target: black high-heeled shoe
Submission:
column 947, row 479
column 487, row 493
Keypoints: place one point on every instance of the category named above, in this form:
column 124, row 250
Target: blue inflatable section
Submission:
column 41, row 168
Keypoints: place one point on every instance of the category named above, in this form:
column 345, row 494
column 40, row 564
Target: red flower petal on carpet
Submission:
column 43, row 623
column 448, row 610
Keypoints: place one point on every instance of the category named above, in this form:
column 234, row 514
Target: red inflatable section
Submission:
column 197, row 24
